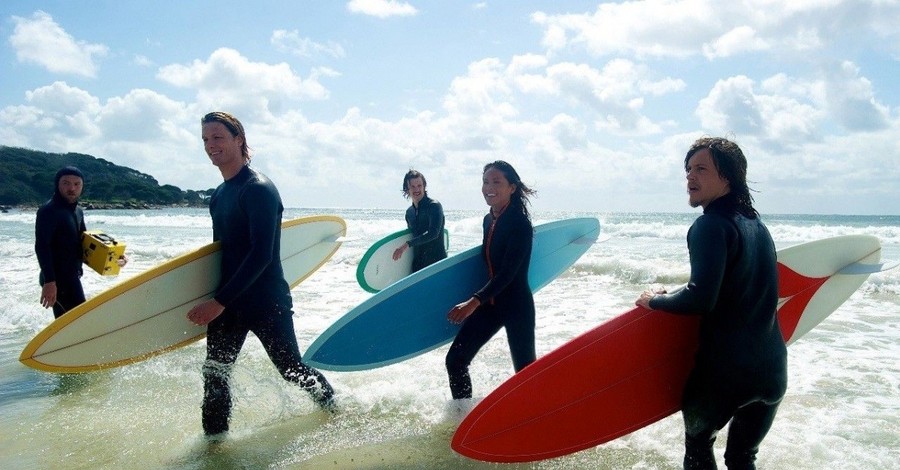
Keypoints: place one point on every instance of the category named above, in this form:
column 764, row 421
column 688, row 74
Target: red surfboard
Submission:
column 630, row 371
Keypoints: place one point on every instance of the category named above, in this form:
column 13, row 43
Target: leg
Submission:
column 69, row 295
column 223, row 343
column 706, row 408
column 276, row 332
column 749, row 426
column 477, row 330
column 520, row 336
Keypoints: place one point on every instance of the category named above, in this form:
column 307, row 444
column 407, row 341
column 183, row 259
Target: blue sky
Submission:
column 594, row 103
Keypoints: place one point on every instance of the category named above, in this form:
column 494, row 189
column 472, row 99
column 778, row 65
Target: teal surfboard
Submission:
column 409, row 317
column 377, row 268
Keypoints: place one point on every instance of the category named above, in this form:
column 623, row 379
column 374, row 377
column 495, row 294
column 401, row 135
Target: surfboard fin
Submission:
column 860, row 268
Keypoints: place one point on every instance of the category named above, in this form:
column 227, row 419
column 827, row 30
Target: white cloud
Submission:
column 683, row 28
column 290, row 41
column 381, row 8
column 734, row 105
column 142, row 61
column 736, row 41
column 851, row 99
column 40, row 40
column 228, row 80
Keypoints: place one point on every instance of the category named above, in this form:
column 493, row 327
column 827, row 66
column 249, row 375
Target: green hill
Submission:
column 27, row 180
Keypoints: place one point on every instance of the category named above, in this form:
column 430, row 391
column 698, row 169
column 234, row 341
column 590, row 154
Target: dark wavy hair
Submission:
column 731, row 165
column 410, row 175
column 234, row 127
column 520, row 197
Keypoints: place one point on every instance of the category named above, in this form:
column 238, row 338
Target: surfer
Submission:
column 425, row 218
column 246, row 212
column 740, row 370
column 506, row 300
column 58, row 229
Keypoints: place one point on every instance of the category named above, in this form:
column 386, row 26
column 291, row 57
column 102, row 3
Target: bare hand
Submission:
column 399, row 251
column 205, row 312
column 122, row 261
column 462, row 311
column 48, row 294
column 644, row 299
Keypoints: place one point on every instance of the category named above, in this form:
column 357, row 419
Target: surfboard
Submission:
column 630, row 371
column 409, row 317
column 146, row 315
column 377, row 268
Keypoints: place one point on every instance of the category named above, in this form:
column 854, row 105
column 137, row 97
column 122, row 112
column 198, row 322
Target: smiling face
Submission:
column 704, row 183
column 416, row 188
column 223, row 148
column 496, row 189
column 70, row 187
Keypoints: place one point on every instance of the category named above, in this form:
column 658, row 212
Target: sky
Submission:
column 593, row 103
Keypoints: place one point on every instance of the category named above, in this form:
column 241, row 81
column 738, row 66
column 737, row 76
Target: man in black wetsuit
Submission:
column 740, row 370
column 58, row 229
column 425, row 218
column 252, row 295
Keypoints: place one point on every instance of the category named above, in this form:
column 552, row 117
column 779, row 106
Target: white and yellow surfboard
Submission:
column 146, row 315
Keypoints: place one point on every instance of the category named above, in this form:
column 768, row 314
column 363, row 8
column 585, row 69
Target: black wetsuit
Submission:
column 246, row 212
column 506, row 300
column 427, row 225
column 58, row 230
column 740, row 373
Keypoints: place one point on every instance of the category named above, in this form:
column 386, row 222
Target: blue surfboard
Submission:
column 409, row 317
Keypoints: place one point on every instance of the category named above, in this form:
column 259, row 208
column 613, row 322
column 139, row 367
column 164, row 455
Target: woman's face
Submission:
column 496, row 189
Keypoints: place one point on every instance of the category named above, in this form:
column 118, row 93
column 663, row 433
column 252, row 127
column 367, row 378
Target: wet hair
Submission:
column 411, row 175
column 520, row 197
column 234, row 127
column 731, row 165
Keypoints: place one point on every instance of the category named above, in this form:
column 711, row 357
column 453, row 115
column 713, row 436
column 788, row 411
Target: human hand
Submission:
column 399, row 251
column 122, row 261
column 48, row 294
column 462, row 311
column 205, row 312
column 647, row 295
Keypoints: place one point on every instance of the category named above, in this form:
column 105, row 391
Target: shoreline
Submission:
column 90, row 206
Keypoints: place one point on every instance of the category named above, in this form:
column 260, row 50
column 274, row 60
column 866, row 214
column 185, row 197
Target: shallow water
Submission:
column 840, row 410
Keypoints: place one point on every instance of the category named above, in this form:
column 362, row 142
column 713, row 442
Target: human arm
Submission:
column 510, row 251
column 708, row 242
column 253, row 249
column 44, row 228
column 431, row 215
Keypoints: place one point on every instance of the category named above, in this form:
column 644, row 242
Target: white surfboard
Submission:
column 146, row 315
column 377, row 268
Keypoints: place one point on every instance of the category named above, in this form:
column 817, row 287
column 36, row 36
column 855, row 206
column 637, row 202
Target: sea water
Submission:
column 842, row 408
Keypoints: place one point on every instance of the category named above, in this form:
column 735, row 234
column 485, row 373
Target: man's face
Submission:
column 223, row 149
column 416, row 189
column 70, row 186
column 704, row 183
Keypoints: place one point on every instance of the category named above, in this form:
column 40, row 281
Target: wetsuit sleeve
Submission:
column 434, row 221
column 261, row 207
column 44, row 227
column 708, row 241
column 515, row 254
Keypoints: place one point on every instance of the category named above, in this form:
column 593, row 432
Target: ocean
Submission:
column 841, row 409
